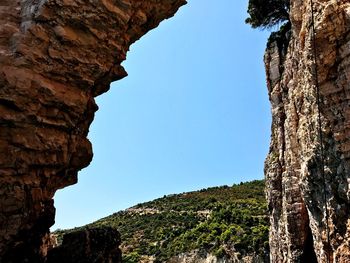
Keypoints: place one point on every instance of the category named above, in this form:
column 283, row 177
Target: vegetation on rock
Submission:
column 218, row 220
column 267, row 13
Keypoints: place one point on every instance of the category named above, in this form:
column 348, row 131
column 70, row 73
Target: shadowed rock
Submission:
column 98, row 245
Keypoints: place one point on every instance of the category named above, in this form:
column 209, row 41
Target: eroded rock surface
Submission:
column 297, row 193
column 55, row 57
column 88, row 246
column 198, row 256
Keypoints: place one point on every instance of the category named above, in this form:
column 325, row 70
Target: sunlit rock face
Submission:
column 296, row 190
column 201, row 256
column 55, row 57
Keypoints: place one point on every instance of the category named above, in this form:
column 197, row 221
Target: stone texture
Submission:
column 297, row 195
column 201, row 256
column 55, row 57
column 97, row 245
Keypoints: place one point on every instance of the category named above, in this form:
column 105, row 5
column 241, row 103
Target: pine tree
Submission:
column 267, row 13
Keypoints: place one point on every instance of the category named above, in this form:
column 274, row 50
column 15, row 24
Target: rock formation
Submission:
column 55, row 57
column 310, row 205
column 88, row 246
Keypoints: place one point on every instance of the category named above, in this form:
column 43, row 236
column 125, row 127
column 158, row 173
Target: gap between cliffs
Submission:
column 47, row 104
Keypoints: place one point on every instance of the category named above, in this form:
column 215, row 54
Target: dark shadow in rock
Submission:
column 96, row 245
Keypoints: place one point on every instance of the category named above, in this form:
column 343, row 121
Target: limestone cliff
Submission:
column 298, row 191
column 55, row 57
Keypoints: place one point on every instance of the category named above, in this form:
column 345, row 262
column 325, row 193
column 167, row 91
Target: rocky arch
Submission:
column 56, row 56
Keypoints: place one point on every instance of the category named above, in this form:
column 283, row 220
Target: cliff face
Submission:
column 86, row 246
column 55, row 57
column 298, row 191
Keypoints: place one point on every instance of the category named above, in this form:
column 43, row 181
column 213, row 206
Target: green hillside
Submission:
column 215, row 220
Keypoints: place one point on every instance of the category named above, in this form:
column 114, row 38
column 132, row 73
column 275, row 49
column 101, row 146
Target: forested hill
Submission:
column 223, row 222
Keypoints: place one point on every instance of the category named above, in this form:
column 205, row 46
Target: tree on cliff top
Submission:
column 267, row 13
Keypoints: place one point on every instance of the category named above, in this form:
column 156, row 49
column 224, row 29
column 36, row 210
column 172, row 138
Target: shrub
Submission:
column 133, row 257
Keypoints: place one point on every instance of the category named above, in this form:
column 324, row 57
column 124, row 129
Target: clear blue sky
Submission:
column 192, row 113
